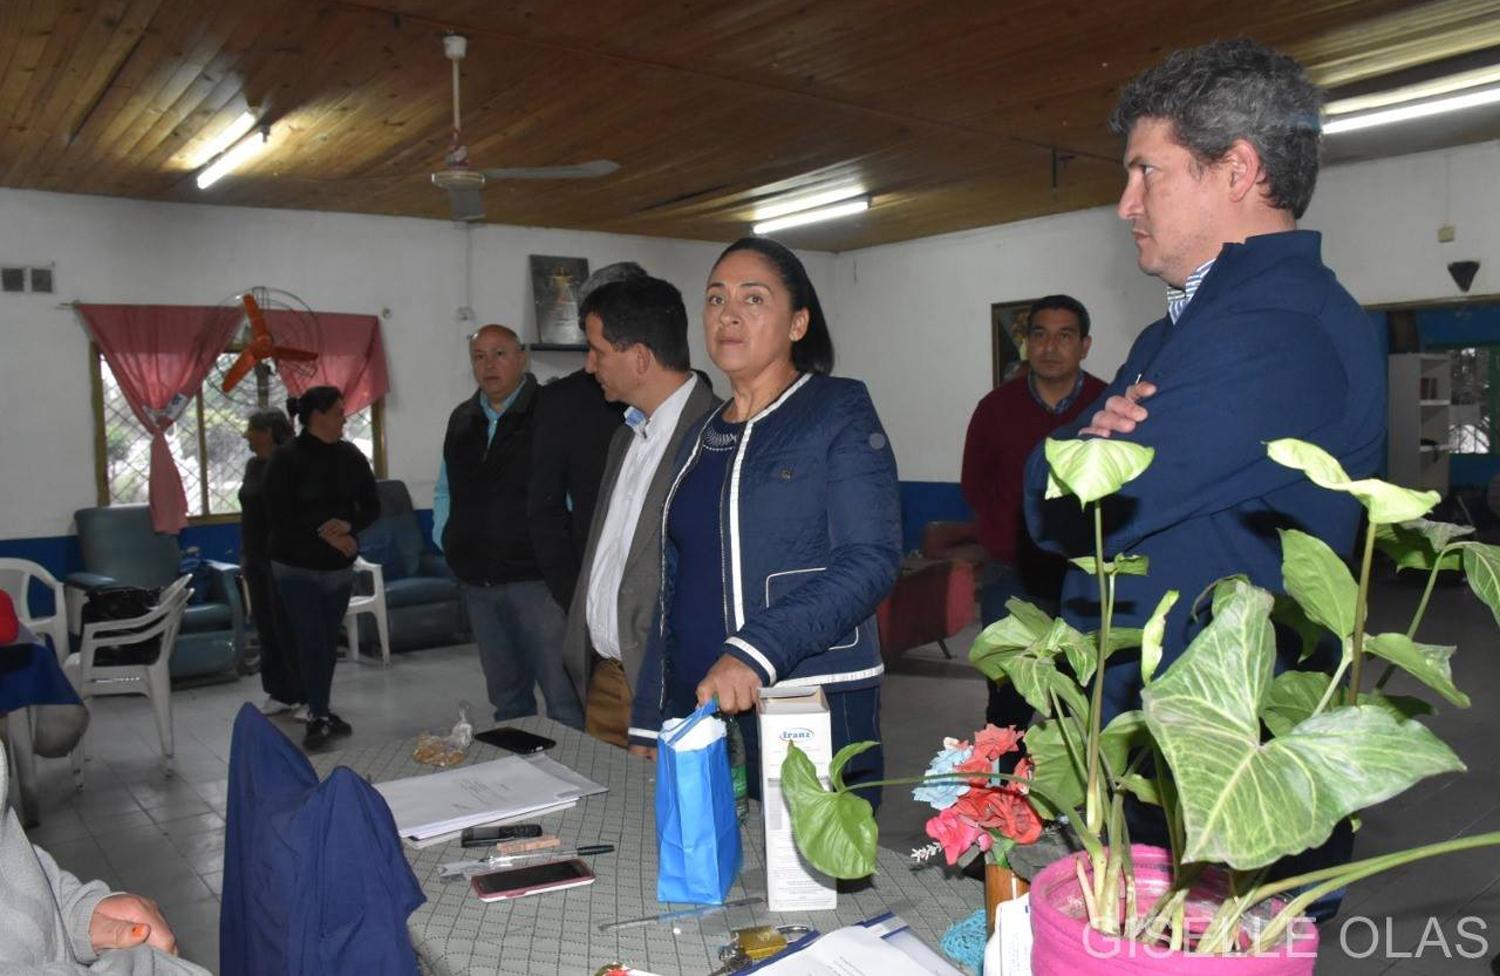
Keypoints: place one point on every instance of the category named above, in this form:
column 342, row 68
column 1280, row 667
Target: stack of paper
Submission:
column 879, row 945
column 431, row 808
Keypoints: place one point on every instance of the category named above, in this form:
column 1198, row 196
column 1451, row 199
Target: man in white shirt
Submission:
column 638, row 352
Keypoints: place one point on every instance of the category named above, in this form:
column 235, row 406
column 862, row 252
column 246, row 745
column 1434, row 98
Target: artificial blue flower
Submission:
column 943, row 795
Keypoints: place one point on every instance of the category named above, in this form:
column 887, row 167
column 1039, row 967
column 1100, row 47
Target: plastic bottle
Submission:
column 738, row 768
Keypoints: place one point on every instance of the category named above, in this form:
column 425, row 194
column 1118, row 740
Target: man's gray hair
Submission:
column 1228, row 90
column 619, row 271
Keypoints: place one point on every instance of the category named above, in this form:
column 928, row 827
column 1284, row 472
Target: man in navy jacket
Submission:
column 1260, row 342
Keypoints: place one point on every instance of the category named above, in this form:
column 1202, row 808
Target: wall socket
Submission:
column 1447, row 233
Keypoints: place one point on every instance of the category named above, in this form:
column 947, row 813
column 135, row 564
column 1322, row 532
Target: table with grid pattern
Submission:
column 456, row 934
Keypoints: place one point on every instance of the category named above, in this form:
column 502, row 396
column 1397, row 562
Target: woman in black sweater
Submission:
column 280, row 675
column 320, row 492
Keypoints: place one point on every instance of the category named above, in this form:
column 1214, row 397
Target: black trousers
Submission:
column 280, row 674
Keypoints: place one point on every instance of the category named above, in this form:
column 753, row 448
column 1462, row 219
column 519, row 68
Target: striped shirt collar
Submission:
column 1178, row 298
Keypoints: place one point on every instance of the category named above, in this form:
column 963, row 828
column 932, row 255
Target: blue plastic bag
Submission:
column 697, row 831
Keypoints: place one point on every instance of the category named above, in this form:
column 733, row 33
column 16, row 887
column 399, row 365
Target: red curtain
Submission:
column 159, row 355
column 351, row 356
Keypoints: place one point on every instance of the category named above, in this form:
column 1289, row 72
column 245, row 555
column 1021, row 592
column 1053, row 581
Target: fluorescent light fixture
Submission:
column 250, row 146
column 809, row 201
column 1415, row 110
column 814, row 216
column 231, row 134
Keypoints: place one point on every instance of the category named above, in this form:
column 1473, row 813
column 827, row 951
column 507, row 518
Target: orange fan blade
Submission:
column 293, row 355
column 242, row 366
column 258, row 327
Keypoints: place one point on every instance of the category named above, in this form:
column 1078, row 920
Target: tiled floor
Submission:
column 141, row 830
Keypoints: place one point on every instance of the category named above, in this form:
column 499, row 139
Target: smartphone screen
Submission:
column 515, row 740
column 532, row 879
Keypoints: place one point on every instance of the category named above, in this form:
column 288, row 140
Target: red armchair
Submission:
column 934, row 597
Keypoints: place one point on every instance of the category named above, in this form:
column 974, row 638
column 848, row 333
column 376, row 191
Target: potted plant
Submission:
column 1247, row 767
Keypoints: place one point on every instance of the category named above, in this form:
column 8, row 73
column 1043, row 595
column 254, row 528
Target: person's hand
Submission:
column 733, row 682
column 346, row 544
column 642, row 752
column 125, row 920
column 333, row 529
column 1121, row 413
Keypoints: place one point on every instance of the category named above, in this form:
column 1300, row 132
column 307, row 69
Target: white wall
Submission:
column 913, row 319
column 111, row 250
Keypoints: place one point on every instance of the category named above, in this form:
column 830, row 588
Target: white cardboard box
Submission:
column 797, row 715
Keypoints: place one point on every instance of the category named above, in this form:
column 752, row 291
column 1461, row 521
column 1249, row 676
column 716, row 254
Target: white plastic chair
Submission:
column 15, row 579
column 373, row 604
column 152, row 680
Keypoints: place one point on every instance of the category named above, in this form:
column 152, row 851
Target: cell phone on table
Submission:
column 485, row 836
column 515, row 740
column 533, row 879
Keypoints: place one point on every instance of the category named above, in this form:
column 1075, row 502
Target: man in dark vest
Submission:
column 479, row 521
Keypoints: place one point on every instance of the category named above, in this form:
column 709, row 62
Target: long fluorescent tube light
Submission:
column 231, row 134
column 250, row 146
column 813, row 216
column 1446, row 85
column 798, row 204
column 1419, row 110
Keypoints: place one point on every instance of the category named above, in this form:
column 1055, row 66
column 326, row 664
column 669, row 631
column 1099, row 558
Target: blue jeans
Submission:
column 519, row 630
column 314, row 601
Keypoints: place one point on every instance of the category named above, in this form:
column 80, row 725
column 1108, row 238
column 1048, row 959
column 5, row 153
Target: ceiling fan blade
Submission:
column 239, row 370
column 577, row 171
column 468, row 205
column 293, row 355
column 258, row 325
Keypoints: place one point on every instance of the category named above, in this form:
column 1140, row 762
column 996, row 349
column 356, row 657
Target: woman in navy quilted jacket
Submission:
column 782, row 531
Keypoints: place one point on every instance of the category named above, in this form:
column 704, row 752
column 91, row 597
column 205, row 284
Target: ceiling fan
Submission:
column 464, row 183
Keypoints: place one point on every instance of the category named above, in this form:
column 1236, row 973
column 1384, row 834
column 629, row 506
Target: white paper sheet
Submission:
column 851, row 951
column 448, row 801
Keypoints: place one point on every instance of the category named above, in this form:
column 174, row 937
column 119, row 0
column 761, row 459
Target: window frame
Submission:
column 97, row 366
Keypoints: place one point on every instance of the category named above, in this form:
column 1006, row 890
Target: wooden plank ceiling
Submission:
column 953, row 115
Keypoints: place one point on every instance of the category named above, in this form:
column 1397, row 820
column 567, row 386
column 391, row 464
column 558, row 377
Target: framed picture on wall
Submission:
column 1008, row 327
column 554, row 294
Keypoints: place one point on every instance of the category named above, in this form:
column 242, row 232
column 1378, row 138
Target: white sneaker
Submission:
column 273, row 706
column 299, row 714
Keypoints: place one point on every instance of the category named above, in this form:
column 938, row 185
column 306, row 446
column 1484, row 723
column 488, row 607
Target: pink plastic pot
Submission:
column 1064, row 944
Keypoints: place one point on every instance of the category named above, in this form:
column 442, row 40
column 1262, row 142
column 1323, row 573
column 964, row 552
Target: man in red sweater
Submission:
column 1007, row 424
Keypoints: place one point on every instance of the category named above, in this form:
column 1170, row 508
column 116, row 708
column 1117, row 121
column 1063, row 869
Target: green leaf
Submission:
column 1401, row 707
column 1319, row 581
column 1248, row 803
column 841, row 759
column 1384, row 501
column 1093, row 467
column 836, row 832
column 1082, row 653
column 1415, row 544
column 1286, row 612
column 1482, row 567
column 1143, row 788
column 1020, row 648
column 1153, row 634
column 1057, row 772
column 1291, row 699
column 1125, row 732
column 1120, row 565
column 1428, row 663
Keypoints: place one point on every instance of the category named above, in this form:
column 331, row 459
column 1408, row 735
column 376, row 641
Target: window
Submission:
column 207, row 441
column 1474, row 399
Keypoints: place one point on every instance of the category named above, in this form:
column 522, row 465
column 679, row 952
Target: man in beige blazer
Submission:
column 638, row 352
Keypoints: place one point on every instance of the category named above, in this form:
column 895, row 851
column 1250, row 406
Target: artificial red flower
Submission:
column 1024, row 769
column 979, row 765
column 1005, row 810
column 957, row 834
column 992, row 742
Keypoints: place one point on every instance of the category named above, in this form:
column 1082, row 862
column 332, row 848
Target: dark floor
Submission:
column 163, row 836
